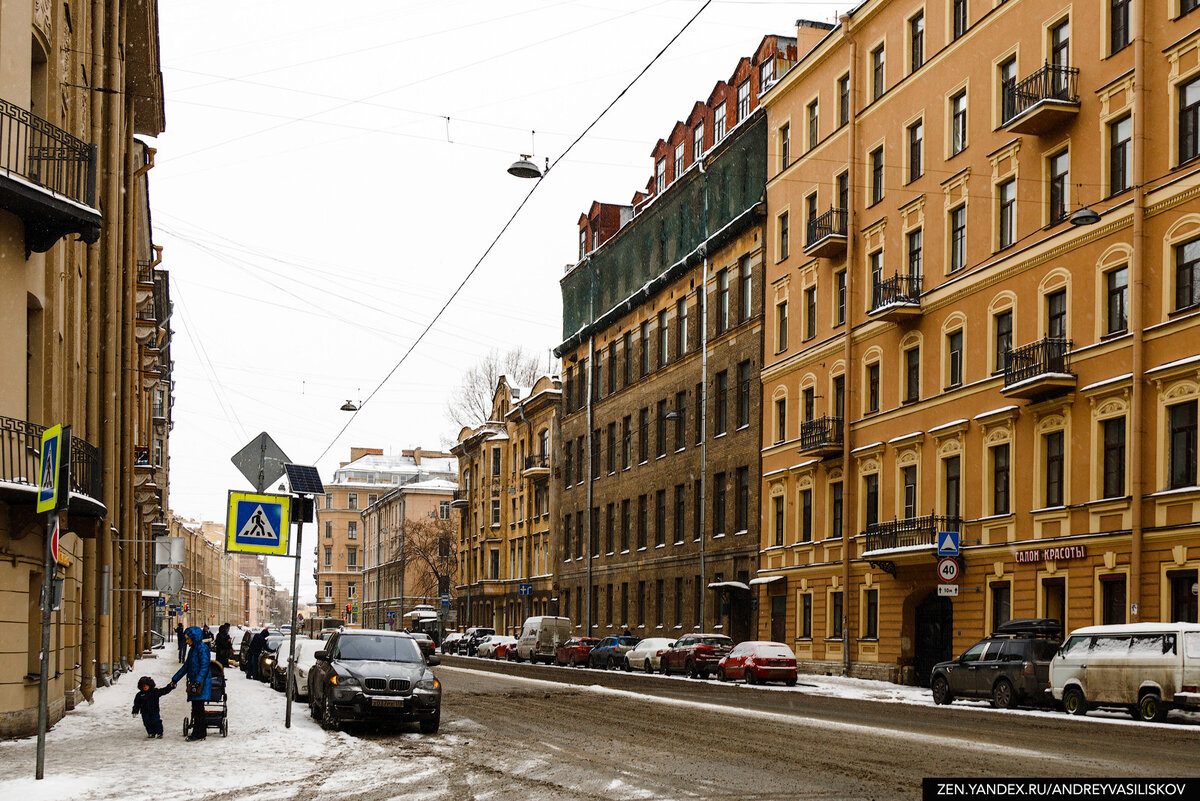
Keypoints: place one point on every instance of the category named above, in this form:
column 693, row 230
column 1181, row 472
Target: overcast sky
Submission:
column 327, row 179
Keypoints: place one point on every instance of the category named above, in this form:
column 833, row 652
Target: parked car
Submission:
column 647, row 654
column 488, row 648
column 475, row 635
column 696, row 655
column 1145, row 668
column 373, row 675
column 1010, row 667
column 424, row 642
column 574, row 652
column 305, row 651
column 609, row 653
column 540, row 637
column 757, row 661
column 324, row 634
column 450, row 642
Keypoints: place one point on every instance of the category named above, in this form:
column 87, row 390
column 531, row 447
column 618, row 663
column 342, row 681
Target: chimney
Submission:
column 417, row 456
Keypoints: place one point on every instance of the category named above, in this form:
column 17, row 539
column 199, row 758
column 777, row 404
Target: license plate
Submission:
column 387, row 702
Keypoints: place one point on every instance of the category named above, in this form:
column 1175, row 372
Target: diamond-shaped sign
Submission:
column 261, row 461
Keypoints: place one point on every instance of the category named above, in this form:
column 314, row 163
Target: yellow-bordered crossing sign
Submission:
column 258, row 523
column 48, row 489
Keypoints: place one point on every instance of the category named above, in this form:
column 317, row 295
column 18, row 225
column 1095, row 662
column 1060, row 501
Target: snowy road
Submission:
column 513, row 737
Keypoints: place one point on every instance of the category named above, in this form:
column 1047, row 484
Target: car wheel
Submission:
column 1151, row 708
column 1002, row 694
column 430, row 725
column 941, row 691
column 689, row 669
column 314, row 709
column 328, row 716
column 573, row 663
column 628, row 667
column 721, row 674
column 1073, row 701
column 750, row 677
column 646, row 666
column 791, row 682
column 664, row 667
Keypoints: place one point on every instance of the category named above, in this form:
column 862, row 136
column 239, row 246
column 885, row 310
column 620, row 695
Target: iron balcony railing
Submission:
column 536, row 460
column 46, row 155
column 831, row 223
column 145, row 273
column 20, row 446
column 906, row 532
column 821, row 432
column 1046, row 356
column 897, row 289
column 1051, row 82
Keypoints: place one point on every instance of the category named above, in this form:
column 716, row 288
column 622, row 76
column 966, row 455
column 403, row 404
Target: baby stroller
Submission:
column 215, row 707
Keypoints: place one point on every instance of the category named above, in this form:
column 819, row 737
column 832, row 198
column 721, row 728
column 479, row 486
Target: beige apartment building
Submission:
column 409, row 553
column 507, row 502
column 974, row 355
column 355, row 487
column 212, row 578
column 83, row 314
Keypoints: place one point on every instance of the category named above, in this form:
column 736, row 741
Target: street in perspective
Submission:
column 447, row 404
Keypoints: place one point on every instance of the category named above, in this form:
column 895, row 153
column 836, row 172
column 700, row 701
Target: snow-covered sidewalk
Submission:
column 100, row 751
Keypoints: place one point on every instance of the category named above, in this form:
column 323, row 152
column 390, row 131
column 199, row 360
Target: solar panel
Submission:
column 304, row 479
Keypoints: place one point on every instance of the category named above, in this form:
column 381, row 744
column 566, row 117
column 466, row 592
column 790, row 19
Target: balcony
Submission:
column 821, row 436
column 1043, row 102
column 145, row 324
column 537, row 465
column 145, row 283
column 20, row 445
column 913, row 535
column 47, row 178
column 459, row 500
column 896, row 298
column 827, row 235
column 1039, row 370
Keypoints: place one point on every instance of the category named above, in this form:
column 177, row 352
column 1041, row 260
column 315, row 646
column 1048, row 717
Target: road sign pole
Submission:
column 288, row 690
column 44, row 677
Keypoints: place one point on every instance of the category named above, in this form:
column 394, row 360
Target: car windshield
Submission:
column 379, row 647
column 714, row 641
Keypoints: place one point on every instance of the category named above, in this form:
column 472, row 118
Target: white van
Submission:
column 1145, row 668
column 541, row 636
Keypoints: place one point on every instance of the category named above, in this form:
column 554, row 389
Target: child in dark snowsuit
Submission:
column 146, row 702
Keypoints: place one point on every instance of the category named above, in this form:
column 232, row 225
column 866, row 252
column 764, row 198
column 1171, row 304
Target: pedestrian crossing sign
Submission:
column 258, row 523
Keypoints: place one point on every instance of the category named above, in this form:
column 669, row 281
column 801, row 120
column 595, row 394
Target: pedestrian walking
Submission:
column 223, row 645
column 256, row 648
column 199, row 679
column 180, row 641
column 146, row 702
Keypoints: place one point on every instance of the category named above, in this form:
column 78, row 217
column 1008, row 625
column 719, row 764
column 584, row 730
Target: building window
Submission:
column 495, row 512
column 877, row 65
column 958, row 123
column 626, row 442
column 680, row 420
column 805, row 612
column 1113, row 431
column 1006, row 224
column 742, row 502
column 745, row 290
column 697, row 505
column 371, row 499
column 719, row 121
column 785, row 146
column 843, row 190
column 1186, row 6
column 328, row 529
column 678, row 161
column 722, row 301
column 721, row 410
column 777, row 505
column 610, row 528
column 766, row 74
column 1112, row 599
column 873, row 388
column 959, row 18
column 1003, row 326
column 916, row 42
column 743, row 410
column 840, row 297
column 1189, row 120
column 1053, row 443
column 839, row 397
column 781, row 321
column 329, row 500
column 1001, row 603
column 1000, row 480
column 495, row 467
column 664, row 348
column 958, row 238
column 743, row 100
column 352, row 530
column 835, row 509
column 1120, row 155
column 641, row 523
column 328, row 556
column 909, row 476
column 835, row 615
column 610, row 454
column 625, row 522
column 352, row 500
column 328, row 591
column 912, row 374
column 810, row 312
column 626, row 357
column 1060, row 51
column 352, row 558
column 1118, row 25
column 645, row 342
column 612, row 369
column 843, row 100
column 1056, row 314
column 871, row 615
column 953, row 486
column 916, row 138
column 698, row 141
column 871, row 499
column 718, row 525
column 1183, row 600
column 1182, row 434
column 813, row 125
column 1187, row 275
column 876, row 175
column 781, row 420
column 660, row 434
column 660, row 175
column 783, row 236
column 1117, row 292
column 1059, row 167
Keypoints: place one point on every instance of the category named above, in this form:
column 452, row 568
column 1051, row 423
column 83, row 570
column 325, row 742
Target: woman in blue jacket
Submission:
column 199, row 676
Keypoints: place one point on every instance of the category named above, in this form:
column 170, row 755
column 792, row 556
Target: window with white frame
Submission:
column 743, row 100
column 719, row 122
column 698, row 141
column 660, row 175
column 958, row 122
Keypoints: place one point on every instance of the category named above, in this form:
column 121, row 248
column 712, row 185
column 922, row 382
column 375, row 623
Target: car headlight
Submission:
column 268, row 661
column 344, row 681
column 429, row 685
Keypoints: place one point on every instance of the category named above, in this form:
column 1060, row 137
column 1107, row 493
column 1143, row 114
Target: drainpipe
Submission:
column 1136, row 294
column 703, row 589
column 591, row 370
column 849, row 485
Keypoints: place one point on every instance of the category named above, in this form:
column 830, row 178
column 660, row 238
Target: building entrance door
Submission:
column 934, row 635
column 740, row 614
column 779, row 618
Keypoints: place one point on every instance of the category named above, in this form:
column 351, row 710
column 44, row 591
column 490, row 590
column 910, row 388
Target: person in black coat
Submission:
column 256, row 648
column 146, row 702
column 223, row 646
column 180, row 641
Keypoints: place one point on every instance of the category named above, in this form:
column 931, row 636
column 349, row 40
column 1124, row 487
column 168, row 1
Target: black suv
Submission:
column 370, row 675
column 1010, row 667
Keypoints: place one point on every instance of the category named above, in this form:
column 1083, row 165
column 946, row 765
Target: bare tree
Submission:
column 470, row 404
column 431, row 549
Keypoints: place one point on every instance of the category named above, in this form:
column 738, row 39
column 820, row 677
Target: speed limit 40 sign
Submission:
column 947, row 569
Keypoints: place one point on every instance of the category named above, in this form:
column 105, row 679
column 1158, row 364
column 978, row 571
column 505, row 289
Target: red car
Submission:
column 574, row 652
column 758, row 662
column 696, row 655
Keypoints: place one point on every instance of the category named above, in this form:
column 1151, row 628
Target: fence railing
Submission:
column 145, row 273
column 1049, row 355
column 831, row 223
column 536, row 460
column 1051, row 82
column 821, row 432
column 20, row 454
column 897, row 289
column 46, row 155
column 906, row 532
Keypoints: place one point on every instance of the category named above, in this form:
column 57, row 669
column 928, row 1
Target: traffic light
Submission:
column 185, row 607
column 347, row 609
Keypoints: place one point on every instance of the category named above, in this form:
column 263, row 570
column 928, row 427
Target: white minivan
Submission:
column 541, row 636
column 1145, row 668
